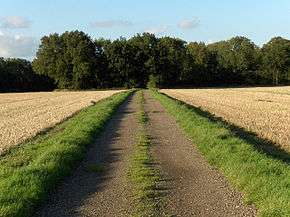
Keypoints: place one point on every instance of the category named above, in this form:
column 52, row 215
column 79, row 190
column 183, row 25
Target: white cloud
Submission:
column 157, row 30
column 17, row 46
column 189, row 24
column 111, row 23
column 14, row 22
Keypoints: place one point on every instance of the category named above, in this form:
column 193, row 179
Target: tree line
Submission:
column 73, row 60
column 18, row 75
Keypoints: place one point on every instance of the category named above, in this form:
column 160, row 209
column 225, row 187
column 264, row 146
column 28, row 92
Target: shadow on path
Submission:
column 92, row 180
column 194, row 187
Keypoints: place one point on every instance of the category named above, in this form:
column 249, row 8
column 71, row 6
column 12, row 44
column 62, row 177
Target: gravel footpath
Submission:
column 194, row 187
column 107, row 193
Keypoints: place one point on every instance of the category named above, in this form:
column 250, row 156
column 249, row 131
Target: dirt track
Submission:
column 194, row 188
column 88, row 193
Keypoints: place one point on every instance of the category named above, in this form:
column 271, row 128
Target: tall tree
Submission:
column 276, row 59
column 200, row 64
column 69, row 59
column 237, row 59
column 49, row 60
column 120, row 63
column 17, row 75
column 170, row 54
column 144, row 57
column 103, row 74
column 74, row 61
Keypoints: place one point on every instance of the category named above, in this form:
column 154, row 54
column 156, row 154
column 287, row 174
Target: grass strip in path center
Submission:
column 264, row 180
column 29, row 172
column 146, row 178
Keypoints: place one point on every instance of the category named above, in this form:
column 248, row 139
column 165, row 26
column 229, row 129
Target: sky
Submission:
column 24, row 22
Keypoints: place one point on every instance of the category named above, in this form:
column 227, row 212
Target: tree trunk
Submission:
column 275, row 77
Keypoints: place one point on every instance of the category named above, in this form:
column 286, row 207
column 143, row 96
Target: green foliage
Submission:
column 74, row 61
column 170, row 53
column 276, row 60
column 69, row 59
column 145, row 177
column 130, row 61
column 17, row 75
column 237, row 60
column 263, row 177
column 199, row 65
column 173, row 62
column 152, row 83
column 30, row 171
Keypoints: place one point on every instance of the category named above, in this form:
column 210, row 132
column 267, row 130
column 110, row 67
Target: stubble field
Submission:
column 263, row 110
column 23, row 115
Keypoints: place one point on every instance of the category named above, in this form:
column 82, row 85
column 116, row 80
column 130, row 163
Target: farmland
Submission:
column 127, row 145
column 176, row 108
column 29, row 171
column 263, row 175
column 23, row 115
column 263, row 110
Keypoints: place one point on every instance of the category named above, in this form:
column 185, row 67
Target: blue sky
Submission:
column 24, row 22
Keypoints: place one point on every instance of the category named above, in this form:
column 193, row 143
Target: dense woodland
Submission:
column 18, row 75
column 73, row 60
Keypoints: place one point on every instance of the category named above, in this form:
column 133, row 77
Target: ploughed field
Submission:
column 23, row 115
column 263, row 110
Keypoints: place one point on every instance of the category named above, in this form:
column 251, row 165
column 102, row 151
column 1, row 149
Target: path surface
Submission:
column 194, row 187
column 87, row 193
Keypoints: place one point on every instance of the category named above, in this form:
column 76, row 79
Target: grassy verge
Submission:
column 265, row 180
column 145, row 177
column 28, row 172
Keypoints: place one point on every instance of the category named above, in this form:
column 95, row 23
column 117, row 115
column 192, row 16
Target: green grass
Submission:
column 264, row 177
column 30, row 171
column 142, row 116
column 145, row 177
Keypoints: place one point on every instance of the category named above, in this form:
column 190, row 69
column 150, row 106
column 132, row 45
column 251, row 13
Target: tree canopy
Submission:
column 276, row 60
column 70, row 59
column 73, row 60
column 18, row 75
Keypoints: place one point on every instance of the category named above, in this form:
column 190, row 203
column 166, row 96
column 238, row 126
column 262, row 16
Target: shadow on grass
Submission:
column 262, row 145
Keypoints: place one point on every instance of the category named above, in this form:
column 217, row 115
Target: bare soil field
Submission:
column 263, row 110
column 23, row 115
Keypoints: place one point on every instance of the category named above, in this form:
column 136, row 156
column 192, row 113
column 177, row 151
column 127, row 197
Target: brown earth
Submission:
column 194, row 187
column 107, row 193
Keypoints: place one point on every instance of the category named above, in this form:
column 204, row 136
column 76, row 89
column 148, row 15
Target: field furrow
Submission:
column 23, row 115
column 265, row 111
